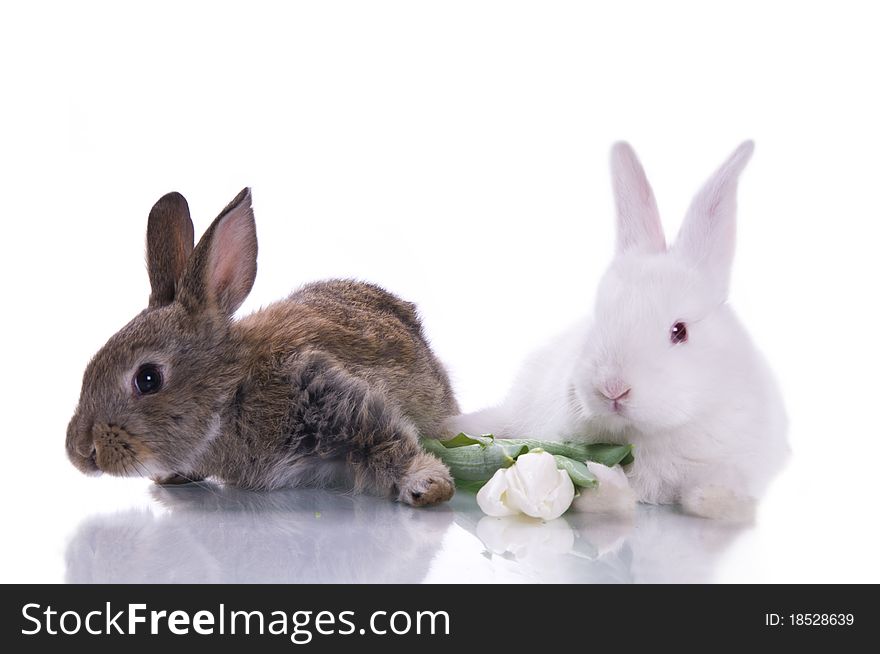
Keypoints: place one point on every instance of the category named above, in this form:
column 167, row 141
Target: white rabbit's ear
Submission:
column 707, row 239
column 638, row 221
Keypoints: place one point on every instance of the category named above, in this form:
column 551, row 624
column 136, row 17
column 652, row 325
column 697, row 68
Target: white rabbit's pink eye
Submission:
column 148, row 379
column 678, row 333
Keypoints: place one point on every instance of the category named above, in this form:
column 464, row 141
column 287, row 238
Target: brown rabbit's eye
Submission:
column 148, row 379
column 678, row 333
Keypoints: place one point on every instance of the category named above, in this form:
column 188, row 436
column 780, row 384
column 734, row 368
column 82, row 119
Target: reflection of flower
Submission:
column 612, row 494
column 533, row 485
column 524, row 538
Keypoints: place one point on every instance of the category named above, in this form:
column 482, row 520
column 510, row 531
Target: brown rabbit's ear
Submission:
column 169, row 244
column 222, row 269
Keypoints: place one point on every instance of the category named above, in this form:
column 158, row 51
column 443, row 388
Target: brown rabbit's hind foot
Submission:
column 175, row 479
column 427, row 481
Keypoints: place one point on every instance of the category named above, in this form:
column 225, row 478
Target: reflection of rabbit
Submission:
column 670, row 547
column 221, row 534
column 658, row 545
column 663, row 363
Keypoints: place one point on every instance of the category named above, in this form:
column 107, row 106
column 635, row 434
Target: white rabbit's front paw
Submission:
column 612, row 495
column 718, row 503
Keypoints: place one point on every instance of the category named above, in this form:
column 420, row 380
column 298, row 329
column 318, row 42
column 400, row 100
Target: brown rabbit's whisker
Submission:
column 125, row 468
column 139, row 467
column 206, row 487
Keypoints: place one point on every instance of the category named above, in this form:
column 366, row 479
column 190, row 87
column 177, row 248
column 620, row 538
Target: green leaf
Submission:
column 609, row 455
column 469, row 486
column 474, row 462
column 512, row 450
column 463, row 439
column 603, row 453
column 579, row 473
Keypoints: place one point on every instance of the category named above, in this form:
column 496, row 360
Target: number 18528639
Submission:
column 809, row 619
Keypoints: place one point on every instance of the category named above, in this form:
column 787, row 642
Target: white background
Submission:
column 456, row 153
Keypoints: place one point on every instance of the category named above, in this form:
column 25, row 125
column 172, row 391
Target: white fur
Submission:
column 705, row 416
column 614, row 494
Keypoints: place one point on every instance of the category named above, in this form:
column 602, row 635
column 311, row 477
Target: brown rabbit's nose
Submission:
column 81, row 445
column 84, row 440
column 87, row 450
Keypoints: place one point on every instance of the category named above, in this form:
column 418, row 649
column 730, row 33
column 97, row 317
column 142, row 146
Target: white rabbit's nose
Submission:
column 614, row 390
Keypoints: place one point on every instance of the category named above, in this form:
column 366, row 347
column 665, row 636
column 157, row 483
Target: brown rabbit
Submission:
column 335, row 381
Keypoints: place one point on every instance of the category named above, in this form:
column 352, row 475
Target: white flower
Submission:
column 492, row 497
column 533, row 485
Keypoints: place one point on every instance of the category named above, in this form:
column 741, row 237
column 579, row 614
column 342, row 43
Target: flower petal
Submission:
column 558, row 501
column 537, row 472
column 493, row 495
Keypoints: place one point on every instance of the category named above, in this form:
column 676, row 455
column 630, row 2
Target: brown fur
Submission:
column 336, row 379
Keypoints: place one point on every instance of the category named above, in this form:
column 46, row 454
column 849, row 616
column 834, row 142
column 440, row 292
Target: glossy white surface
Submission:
column 210, row 534
column 111, row 530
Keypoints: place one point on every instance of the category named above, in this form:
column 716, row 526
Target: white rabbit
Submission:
column 663, row 363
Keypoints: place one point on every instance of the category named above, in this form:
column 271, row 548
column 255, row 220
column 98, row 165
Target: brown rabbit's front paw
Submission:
column 427, row 481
